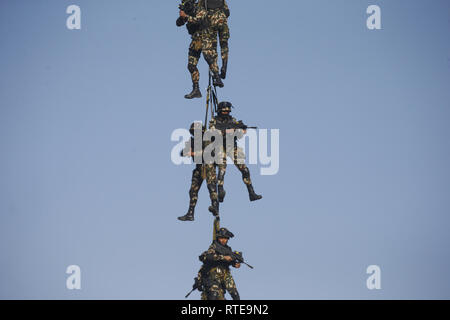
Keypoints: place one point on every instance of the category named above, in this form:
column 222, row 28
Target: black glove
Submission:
column 181, row 21
column 197, row 285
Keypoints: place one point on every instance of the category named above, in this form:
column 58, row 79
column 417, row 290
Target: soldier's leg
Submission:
column 215, row 292
column 211, row 180
column 195, row 50
column 224, row 36
column 222, row 170
column 239, row 162
column 196, row 184
column 230, row 285
column 209, row 48
column 213, row 286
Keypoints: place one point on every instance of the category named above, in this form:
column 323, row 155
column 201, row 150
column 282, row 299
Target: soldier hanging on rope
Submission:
column 205, row 170
column 212, row 16
column 214, row 277
column 195, row 48
column 227, row 125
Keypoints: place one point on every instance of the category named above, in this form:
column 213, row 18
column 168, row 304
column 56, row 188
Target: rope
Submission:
column 211, row 99
column 208, row 98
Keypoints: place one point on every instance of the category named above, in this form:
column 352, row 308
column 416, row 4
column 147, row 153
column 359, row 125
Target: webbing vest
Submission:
column 215, row 4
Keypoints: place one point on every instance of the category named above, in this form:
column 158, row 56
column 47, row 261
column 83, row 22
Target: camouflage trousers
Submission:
column 238, row 157
column 197, row 181
column 217, row 281
column 195, row 51
column 217, row 27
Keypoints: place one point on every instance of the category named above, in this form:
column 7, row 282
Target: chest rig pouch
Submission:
column 215, row 4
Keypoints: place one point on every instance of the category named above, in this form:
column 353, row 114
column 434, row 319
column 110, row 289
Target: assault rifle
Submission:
column 188, row 6
column 235, row 126
column 197, row 285
column 235, row 255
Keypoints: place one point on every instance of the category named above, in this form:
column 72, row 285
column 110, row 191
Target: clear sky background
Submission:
column 86, row 176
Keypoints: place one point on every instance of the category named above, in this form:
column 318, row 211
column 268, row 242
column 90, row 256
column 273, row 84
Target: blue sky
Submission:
column 85, row 123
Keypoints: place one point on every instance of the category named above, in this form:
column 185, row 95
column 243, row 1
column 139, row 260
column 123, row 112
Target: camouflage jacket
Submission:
column 219, row 16
column 227, row 121
column 223, row 121
column 189, row 148
column 212, row 259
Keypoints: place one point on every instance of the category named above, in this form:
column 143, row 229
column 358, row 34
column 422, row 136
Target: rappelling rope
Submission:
column 211, row 99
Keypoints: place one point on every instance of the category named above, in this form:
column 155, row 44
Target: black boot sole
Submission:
column 185, row 219
column 255, row 198
column 192, row 97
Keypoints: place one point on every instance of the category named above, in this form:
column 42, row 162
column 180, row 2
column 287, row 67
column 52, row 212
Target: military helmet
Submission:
column 224, row 233
column 224, row 106
column 195, row 126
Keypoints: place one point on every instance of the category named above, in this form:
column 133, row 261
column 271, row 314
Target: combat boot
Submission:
column 252, row 194
column 221, row 193
column 217, row 82
column 235, row 295
column 195, row 92
column 214, row 208
column 189, row 216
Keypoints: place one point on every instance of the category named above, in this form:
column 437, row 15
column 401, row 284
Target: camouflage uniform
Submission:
column 195, row 51
column 215, row 24
column 234, row 152
column 201, row 172
column 237, row 155
column 197, row 181
column 215, row 276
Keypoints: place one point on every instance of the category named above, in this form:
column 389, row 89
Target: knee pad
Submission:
column 209, row 59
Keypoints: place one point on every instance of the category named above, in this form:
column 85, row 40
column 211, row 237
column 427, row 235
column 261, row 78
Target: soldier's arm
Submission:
column 193, row 151
column 241, row 123
column 201, row 14
column 212, row 256
column 236, row 121
column 181, row 21
column 186, row 152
